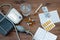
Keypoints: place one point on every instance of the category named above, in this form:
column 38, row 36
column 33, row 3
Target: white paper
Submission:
column 41, row 34
column 53, row 16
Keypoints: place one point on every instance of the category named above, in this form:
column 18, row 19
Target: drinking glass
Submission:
column 26, row 9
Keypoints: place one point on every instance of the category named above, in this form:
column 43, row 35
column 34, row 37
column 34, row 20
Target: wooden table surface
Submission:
column 54, row 5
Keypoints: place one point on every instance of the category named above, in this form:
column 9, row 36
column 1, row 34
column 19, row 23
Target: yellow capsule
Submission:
column 50, row 27
column 46, row 23
column 46, row 29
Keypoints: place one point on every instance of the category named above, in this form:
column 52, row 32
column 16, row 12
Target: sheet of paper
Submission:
column 53, row 16
column 41, row 34
column 48, row 25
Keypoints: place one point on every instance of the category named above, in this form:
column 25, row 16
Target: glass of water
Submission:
column 26, row 9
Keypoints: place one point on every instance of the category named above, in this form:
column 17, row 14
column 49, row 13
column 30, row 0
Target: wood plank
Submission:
column 55, row 4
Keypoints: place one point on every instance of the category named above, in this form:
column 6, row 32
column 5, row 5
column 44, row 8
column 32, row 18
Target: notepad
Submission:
column 41, row 34
column 48, row 25
column 53, row 16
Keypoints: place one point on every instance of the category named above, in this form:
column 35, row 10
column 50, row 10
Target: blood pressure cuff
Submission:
column 5, row 25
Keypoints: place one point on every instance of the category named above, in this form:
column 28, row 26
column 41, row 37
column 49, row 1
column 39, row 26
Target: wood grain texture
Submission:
column 54, row 5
